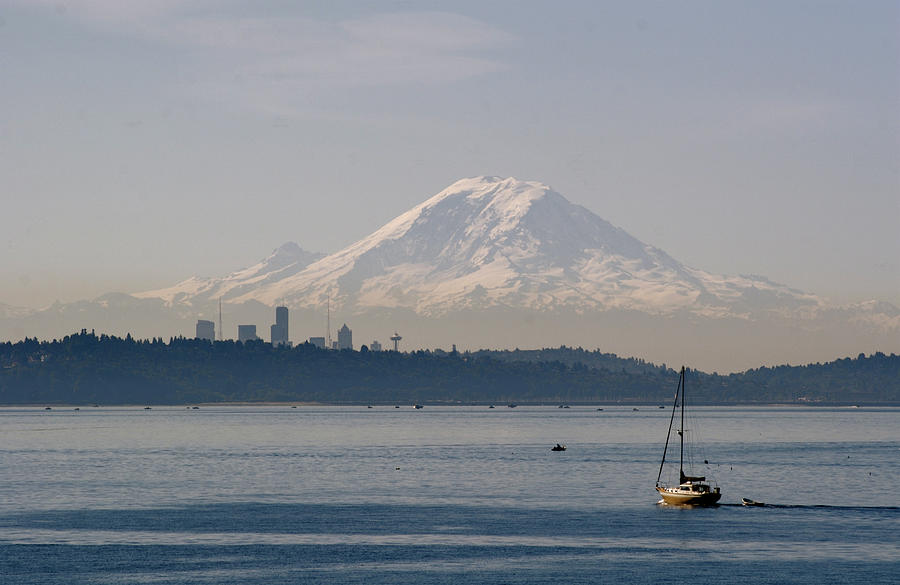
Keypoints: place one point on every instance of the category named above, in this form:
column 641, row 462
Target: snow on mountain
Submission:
column 12, row 312
column 492, row 242
column 283, row 262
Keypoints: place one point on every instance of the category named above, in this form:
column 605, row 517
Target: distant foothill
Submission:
column 86, row 368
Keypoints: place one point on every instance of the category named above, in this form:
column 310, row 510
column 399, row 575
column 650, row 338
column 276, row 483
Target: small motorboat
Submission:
column 511, row 405
column 749, row 502
column 417, row 406
column 558, row 447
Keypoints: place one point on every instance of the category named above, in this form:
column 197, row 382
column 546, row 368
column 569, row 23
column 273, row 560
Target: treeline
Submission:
column 88, row 369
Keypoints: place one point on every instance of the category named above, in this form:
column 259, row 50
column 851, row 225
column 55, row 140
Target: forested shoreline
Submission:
column 85, row 368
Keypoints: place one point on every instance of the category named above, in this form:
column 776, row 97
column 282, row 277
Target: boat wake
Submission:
column 809, row 506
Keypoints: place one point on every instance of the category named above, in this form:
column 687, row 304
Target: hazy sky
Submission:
column 144, row 142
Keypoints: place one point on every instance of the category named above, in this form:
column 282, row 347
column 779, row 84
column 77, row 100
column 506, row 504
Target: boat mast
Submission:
column 671, row 420
column 681, row 432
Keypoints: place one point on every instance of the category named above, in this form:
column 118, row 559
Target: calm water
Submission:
column 441, row 495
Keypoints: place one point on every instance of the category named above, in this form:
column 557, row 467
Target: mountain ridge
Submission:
column 285, row 260
column 494, row 262
column 498, row 242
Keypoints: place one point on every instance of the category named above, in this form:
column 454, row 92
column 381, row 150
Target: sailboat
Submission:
column 691, row 490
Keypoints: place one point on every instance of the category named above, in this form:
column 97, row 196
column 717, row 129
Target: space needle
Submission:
column 396, row 339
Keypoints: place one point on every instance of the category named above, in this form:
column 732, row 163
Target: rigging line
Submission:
column 681, row 434
column 669, row 433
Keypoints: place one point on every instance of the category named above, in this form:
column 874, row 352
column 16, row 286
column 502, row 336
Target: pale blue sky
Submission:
column 143, row 142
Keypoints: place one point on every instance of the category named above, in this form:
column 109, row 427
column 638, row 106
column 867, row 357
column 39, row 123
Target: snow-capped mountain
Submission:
column 284, row 262
column 492, row 242
column 500, row 263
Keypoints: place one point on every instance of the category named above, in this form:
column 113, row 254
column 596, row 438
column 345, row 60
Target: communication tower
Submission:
column 328, row 324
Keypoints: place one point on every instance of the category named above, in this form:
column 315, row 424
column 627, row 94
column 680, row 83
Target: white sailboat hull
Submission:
column 685, row 496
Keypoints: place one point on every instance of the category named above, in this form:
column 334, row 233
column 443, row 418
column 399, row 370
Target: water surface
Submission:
column 277, row 494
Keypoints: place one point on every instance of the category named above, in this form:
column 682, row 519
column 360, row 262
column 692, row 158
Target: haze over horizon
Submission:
column 146, row 143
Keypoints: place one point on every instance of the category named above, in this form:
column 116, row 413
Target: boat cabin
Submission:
column 699, row 488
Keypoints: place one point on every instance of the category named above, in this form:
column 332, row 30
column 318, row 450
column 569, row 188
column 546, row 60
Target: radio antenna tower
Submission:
column 328, row 324
column 221, row 331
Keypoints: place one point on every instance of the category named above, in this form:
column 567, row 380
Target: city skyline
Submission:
column 741, row 139
column 280, row 334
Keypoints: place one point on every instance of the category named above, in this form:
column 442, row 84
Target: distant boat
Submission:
column 417, row 406
column 558, row 447
column 47, row 408
column 599, row 409
column 511, row 405
column 147, row 408
column 749, row 502
column 491, row 406
column 370, row 406
column 691, row 490
column 396, row 407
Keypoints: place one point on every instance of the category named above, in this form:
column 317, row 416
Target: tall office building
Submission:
column 375, row 346
column 276, row 333
column 318, row 342
column 247, row 333
column 279, row 330
column 345, row 338
column 281, row 319
column 206, row 330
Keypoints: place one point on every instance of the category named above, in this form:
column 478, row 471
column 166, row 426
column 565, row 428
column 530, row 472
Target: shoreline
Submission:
column 498, row 405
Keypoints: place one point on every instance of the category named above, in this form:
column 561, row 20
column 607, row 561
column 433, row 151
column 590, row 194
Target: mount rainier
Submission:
column 488, row 242
column 504, row 263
